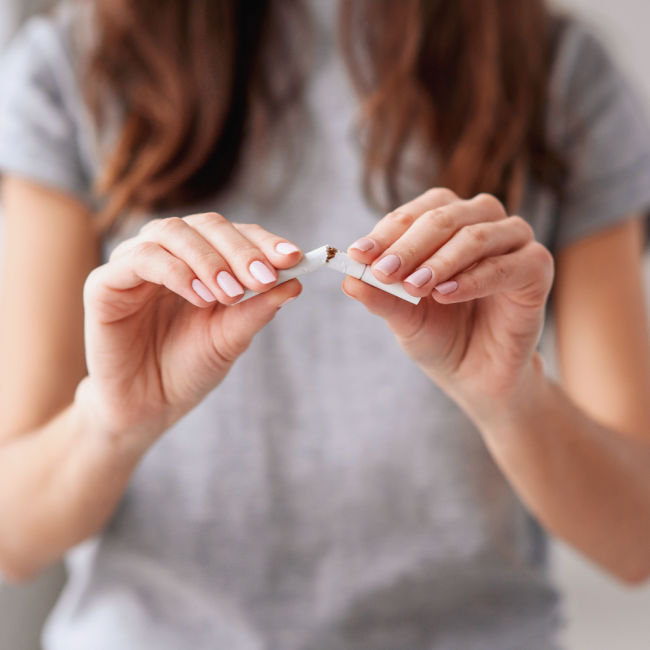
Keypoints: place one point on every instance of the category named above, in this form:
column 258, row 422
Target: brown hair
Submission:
column 468, row 79
column 463, row 83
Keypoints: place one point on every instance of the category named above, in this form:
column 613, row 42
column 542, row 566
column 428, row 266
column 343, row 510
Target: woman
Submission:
column 336, row 490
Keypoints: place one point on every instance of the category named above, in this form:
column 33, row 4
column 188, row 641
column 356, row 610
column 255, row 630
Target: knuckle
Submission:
column 441, row 218
column 490, row 204
column 92, row 281
column 170, row 225
column 93, row 289
column 93, row 275
column 476, row 234
column 173, row 267
column 441, row 265
column 401, row 218
column 120, row 249
column 216, row 218
column 206, row 219
column 524, row 226
column 152, row 224
column 440, row 195
column 210, row 215
column 144, row 248
column 172, row 222
column 542, row 257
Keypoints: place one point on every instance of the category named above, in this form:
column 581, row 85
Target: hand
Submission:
column 484, row 282
column 160, row 331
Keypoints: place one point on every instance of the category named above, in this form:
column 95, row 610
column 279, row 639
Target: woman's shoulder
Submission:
column 598, row 124
column 43, row 122
column 582, row 59
column 49, row 45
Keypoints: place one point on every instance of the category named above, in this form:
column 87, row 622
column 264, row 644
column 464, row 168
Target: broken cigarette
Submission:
column 310, row 262
column 337, row 261
column 341, row 262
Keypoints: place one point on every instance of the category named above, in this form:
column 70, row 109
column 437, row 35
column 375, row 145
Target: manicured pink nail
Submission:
column 202, row 291
column 285, row 248
column 229, row 285
column 388, row 264
column 447, row 287
column 262, row 273
column 420, row 277
column 364, row 244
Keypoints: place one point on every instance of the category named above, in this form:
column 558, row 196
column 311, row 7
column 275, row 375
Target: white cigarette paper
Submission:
column 310, row 262
column 337, row 261
column 340, row 262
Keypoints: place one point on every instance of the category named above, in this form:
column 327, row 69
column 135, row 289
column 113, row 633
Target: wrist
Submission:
column 126, row 442
column 514, row 407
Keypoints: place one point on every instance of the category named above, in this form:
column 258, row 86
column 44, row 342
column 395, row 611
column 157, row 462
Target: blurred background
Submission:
column 600, row 614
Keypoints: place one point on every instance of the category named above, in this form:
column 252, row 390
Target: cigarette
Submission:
column 311, row 261
column 337, row 261
column 340, row 262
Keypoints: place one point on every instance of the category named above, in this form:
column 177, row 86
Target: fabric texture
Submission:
column 327, row 495
column 43, row 126
column 603, row 130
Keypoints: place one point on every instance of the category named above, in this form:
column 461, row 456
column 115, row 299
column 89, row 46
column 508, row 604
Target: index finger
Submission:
column 281, row 252
column 396, row 223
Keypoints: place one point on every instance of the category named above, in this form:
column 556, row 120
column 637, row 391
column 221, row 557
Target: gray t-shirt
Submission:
column 327, row 495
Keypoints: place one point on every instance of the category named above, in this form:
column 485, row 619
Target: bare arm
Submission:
column 69, row 441
column 579, row 457
column 582, row 457
column 49, row 249
column 585, row 482
column 59, row 484
column 602, row 330
column 49, row 453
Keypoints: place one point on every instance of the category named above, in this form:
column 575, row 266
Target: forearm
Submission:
column 586, row 483
column 59, row 485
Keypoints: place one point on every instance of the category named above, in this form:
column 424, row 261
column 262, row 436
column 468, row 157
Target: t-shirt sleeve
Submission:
column 38, row 133
column 601, row 128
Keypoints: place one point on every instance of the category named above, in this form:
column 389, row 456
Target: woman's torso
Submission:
column 327, row 495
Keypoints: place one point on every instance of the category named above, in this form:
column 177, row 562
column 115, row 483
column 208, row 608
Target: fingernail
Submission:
column 285, row 248
column 364, row 244
column 286, row 302
column 420, row 277
column 229, row 285
column 388, row 264
column 261, row 272
column 202, row 291
column 447, row 287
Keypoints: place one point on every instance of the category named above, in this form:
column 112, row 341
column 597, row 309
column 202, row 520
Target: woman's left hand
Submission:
column 484, row 281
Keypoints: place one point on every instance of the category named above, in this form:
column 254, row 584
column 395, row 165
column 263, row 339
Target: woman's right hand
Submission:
column 160, row 332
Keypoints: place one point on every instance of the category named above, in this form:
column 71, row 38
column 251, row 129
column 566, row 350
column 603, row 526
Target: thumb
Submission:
column 239, row 324
column 403, row 318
